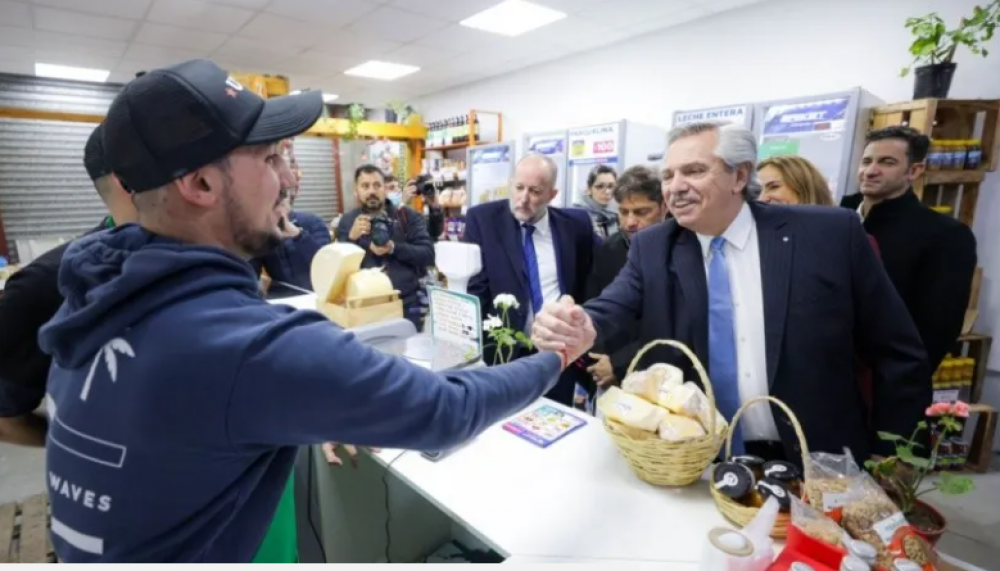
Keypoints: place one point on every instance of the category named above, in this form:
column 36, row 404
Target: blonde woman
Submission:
column 789, row 179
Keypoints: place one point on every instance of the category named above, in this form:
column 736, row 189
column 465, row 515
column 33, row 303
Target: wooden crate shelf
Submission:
column 950, row 119
column 24, row 532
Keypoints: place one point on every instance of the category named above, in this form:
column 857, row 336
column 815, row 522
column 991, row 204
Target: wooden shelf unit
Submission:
column 949, row 119
column 474, row 115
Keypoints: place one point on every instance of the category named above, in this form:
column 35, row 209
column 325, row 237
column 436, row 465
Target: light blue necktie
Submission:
column 531, row 266
column 722, row 364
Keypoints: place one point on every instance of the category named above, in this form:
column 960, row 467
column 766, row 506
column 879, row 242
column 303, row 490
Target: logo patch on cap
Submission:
column 234, row 84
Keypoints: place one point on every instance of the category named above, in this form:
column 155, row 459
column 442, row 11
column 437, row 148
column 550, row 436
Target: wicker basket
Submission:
column 738, row 513
column 663, row 463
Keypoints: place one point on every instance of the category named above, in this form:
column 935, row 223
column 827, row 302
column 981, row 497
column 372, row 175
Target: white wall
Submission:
column 772, row 50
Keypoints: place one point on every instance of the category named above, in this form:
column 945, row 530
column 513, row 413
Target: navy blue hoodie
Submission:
column 177, row 398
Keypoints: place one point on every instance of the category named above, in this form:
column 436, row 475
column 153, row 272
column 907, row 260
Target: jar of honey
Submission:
column 973, row 154
column 937, row 155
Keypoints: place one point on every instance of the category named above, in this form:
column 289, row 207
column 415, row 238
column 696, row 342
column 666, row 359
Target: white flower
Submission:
column 506, row 301
column 492, row 322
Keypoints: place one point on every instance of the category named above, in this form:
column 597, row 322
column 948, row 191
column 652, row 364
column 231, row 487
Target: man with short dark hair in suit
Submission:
column 533, row 251
column 930, row 257
column 774, row 300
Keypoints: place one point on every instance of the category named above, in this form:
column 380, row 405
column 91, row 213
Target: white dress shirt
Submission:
column 548, row 268
column 743, row 261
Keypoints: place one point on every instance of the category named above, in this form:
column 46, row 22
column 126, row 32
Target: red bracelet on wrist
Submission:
column 564, row 358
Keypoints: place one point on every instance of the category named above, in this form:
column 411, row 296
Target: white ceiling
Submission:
column 314, row 41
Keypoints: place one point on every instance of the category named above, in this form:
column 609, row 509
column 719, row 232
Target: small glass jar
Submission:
column 936, row 156
column 852, row 563
column 957, row 162
column 863, row 551
column 973, row 154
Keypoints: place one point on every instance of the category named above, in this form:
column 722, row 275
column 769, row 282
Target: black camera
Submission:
column 381, row 230
column 425, row 185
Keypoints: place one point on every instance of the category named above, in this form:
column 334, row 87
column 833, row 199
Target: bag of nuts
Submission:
column 871, row 516
column 828, row 480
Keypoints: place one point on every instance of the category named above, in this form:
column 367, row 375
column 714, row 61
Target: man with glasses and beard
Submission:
column 394, row 237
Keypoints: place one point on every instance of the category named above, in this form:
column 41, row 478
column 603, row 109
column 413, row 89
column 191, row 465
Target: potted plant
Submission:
column 356, row 114
column 903, row 474
column 396, row 112
column 498, row 328
column 934, row 46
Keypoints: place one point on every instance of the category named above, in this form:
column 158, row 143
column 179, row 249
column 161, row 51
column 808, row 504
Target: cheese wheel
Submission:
column 630, row 410
column 331, row 267
column 677, row 428
column 368, row 283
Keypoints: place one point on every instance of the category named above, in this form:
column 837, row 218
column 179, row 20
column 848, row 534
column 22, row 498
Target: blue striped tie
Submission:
column 722, row 364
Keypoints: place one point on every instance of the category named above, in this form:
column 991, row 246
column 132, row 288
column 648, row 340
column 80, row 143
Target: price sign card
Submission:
column 456, row 318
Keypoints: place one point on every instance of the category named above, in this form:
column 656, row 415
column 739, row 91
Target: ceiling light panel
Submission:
column 385, row 71
column 68, row 72
column 513, row 18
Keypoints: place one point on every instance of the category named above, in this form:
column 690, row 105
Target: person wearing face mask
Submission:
column 598, row 201
column 640, row 205
column 533, row 251
column 930, row 257
column 302, row 233
column 432, row 211
column 774, row 300
column 394, row 237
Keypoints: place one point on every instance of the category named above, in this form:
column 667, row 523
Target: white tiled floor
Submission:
column 973, row 520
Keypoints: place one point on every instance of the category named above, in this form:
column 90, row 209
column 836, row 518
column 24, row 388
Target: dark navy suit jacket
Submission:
column 498, row 234
column 826, row 295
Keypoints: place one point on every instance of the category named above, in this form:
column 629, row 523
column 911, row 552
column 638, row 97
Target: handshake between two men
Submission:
column 563, row 327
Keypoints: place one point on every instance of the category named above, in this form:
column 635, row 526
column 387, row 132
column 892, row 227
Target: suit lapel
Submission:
column 565, row 264
column 513, row 244
column 689, row 268
column 777, row 246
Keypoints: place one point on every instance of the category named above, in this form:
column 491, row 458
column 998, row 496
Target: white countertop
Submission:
column 576, row 499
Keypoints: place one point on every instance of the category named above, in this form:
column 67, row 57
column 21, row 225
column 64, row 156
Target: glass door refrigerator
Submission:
column 619, row 145
column 828, row 130
column 490, row 168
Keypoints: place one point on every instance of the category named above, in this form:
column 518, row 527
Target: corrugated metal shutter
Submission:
column 45, row 192
column 318, row 191
column 41, row 94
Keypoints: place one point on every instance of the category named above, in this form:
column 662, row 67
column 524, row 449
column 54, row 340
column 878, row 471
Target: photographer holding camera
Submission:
column 395, row 237
column 423, row 186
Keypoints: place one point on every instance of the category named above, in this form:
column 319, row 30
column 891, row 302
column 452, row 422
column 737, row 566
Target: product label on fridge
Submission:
column 591, row 145
column 736, row 114
column 490, row 174
column 548, row 146
column 813, row 117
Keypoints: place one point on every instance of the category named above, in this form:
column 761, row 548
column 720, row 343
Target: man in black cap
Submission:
column 30, row 299
column 177, row 396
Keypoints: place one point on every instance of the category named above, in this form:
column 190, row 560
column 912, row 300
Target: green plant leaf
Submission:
column 904, row 72
column 889, row 437
column 906, row 455
column 953, row 485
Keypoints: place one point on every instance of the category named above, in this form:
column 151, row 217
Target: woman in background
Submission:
column 599, row 201
column 789, row 179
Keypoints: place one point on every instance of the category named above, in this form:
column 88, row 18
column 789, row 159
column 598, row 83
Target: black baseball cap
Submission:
column 172, row 121
column 93, row 155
